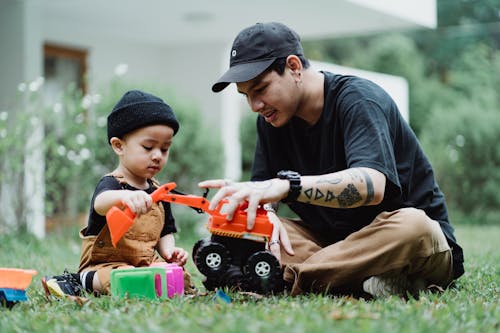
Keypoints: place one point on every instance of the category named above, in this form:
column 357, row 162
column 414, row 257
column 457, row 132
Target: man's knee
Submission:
column 415, row 222
column 416, row 227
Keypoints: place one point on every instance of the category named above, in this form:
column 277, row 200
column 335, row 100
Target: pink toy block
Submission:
column 175, row 278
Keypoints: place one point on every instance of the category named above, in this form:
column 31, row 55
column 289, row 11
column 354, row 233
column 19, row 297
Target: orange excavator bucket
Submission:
column 119, row 221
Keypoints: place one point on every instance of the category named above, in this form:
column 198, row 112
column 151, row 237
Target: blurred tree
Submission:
column 462, row 135
column 476, row 75
column 461, row 24
column 78, row 154
column 463, row 146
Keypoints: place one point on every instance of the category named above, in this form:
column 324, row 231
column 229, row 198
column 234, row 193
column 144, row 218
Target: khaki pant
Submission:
column 405, row 241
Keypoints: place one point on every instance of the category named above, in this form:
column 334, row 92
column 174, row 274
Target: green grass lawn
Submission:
column 472, row 307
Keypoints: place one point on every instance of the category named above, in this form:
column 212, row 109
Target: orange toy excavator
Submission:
column 232, row 256
column 119, row 221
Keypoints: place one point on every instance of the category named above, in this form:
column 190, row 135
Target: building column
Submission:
column 20, row 66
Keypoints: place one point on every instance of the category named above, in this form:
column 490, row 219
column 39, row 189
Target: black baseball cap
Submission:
column 255, row 49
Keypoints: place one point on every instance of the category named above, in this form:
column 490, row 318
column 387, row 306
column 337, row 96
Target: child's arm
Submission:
column 139, row 202
column 168, row 251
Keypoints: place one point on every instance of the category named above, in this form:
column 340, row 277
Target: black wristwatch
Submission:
column 295, row 187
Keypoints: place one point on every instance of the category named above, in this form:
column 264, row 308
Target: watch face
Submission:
column 295, row 187
column 287, row 174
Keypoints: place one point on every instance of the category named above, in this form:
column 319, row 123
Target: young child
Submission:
column 141, row 128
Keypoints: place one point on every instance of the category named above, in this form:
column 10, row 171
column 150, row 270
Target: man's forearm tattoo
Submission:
column 308, row 193
column 329, row 196
column 349, row 196
column 318, row 194
column 355, row 175
column 337, row 179
column 370, row 191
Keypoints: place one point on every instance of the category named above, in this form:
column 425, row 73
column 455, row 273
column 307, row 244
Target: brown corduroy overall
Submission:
column 136, row 248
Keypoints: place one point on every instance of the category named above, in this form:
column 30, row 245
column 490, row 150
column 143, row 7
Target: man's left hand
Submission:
column 254, row 193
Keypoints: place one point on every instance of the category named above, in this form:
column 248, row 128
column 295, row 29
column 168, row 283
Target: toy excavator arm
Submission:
column 119, row 221
column 200, row 204
column 218, row 223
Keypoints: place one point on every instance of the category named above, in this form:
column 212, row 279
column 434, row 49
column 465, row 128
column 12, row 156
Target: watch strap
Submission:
column 295, row 187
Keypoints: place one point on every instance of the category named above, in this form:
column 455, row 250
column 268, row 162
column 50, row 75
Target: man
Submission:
column 372, row 218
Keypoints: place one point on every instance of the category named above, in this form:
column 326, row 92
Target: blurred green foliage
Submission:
column 465, row 153
column 462, row 136
column 77, row 153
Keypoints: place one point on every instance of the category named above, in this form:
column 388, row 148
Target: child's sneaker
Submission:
column 62, row 285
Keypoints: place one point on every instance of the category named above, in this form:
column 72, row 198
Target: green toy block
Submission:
column 141, row 282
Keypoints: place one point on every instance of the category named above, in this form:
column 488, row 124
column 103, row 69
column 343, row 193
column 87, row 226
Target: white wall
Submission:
column 396, row 86
column 20, row 37
column 21, row 53
column 194, row 68
column 188, row 69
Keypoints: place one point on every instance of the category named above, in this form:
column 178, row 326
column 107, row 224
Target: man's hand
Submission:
column 254, row 193
column 279, row 237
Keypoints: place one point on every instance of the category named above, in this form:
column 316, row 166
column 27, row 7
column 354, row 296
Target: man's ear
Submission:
column 117, row 145
column 293, row 63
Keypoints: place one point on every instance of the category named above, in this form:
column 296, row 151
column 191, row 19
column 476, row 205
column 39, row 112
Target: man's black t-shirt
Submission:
column 96, row 222
column 360, row 126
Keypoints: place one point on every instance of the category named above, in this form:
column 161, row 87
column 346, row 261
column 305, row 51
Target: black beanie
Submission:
column 138, row 109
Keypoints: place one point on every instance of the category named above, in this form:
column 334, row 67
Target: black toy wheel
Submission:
column 212, row 258
column 197, row 246
column 264, row 272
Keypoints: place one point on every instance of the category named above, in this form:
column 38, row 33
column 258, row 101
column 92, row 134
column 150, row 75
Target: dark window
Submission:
column 64, row 66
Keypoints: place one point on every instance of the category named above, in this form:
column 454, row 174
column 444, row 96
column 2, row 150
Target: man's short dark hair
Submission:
column 279, row 64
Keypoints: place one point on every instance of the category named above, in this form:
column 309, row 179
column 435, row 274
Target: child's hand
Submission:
column 176, row 255
column 139, row 202
column 171, row 253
